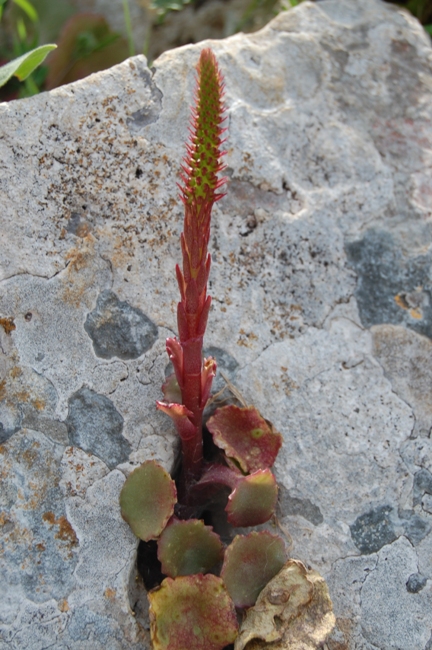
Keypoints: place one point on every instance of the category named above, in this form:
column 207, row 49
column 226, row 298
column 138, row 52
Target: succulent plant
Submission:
column 193, row 608
column 253, row 498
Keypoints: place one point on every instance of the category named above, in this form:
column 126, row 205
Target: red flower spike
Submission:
column 181, row 417
column 245, row 436
column 209, row 371
column 199, row 191
column 175, row 353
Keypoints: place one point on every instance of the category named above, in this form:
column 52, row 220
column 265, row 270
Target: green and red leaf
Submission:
column 250, row 562
column 245, row 436
column 147, row 500
column 193, row 613
column 188, row 547
column 254, row 499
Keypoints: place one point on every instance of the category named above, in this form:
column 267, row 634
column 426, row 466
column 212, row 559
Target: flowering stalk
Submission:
column 199, row 192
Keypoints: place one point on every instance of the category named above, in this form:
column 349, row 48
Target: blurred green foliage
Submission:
column 86, row 42
column 22, row 41
column 421, row 9
column 162, row 7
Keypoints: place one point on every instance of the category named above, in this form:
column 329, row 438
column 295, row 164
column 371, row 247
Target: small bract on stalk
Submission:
column 199, row 192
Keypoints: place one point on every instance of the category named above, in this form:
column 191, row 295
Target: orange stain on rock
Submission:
column 39, row 404
column 66, row 533
column 63, row 605
column 401, row 302
column 7, row 324
column 78, row 257
column 15, row 372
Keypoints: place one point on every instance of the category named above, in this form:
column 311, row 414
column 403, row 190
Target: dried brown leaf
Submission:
column 293, row 612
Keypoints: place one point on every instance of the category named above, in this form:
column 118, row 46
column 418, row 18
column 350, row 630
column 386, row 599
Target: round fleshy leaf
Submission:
column 187, row 547
column 193, row 613
column 245, row 436
column 254, row 499
column 250, row 562
column 147, row 500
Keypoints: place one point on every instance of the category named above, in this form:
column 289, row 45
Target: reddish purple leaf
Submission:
column 245, row 436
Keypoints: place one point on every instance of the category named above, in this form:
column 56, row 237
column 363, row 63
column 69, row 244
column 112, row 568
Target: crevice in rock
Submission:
column 33, row 275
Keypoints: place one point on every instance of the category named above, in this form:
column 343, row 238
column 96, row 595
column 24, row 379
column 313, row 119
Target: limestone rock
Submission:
column 321, row 317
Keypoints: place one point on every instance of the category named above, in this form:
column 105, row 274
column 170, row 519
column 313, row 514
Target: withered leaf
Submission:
column 293, row 612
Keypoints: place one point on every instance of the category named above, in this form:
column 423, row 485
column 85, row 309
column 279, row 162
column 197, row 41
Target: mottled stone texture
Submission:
column 321, row 317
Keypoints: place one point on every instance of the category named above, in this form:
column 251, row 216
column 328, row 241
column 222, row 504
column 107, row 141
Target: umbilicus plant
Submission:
column 193, row 607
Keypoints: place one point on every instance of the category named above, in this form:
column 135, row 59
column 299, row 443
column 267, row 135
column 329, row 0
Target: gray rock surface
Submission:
column 322, row 317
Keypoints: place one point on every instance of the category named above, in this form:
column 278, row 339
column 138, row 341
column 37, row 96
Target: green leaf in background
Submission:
column 24, row 65
column 163, row 6
column 28, row 9
column 21, row 30
column 86, row 44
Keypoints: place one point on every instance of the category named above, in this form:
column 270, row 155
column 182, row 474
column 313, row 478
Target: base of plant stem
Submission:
column 213, row 514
